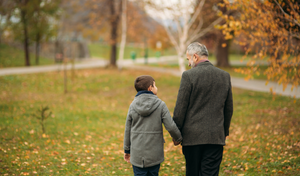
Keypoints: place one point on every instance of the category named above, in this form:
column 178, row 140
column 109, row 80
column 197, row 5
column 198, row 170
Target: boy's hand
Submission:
column 176, row 143
column 127, row 157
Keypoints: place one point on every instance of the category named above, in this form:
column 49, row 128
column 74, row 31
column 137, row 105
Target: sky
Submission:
column 163, row 13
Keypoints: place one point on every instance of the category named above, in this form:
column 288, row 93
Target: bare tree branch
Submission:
column 295, row 36
column 198, row 28
column 196, row 14
column 173, row 40
column 295, row 21
column 203, row 32
column 179, row 28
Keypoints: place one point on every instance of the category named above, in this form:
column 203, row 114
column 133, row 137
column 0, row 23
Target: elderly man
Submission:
column 203, row 112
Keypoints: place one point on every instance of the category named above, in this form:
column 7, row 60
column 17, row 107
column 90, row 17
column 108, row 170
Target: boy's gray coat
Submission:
column 204, row 105
column 144, row 131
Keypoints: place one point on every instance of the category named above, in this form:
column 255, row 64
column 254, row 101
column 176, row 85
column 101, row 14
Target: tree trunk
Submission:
column 55, row 50
column 276, row 53
column 222, row 51
column 113, row 54
column 181, row 64
column 113, row 33
column 26, row 43
column 1, row 31
column 124, row 30
column 0, row 36
column 181, row 52
column 37, row 49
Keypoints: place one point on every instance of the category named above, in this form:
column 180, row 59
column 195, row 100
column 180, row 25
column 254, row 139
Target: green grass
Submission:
column 232, row 57
column 84, row 136
column 12, row 57
column 260, row 74
column 261, row 71
column 103, row 51
column 230, row 70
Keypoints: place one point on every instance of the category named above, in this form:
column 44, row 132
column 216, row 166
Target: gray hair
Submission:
column 197, row 48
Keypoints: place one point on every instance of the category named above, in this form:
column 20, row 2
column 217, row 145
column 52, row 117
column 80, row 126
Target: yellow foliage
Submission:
column 264, row 29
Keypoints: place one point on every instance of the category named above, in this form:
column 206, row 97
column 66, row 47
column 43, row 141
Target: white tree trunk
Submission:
column 184, row 19
column 181, row 63
column 124, row 30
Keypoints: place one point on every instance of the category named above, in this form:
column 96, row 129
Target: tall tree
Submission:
column 25, row 14
column 211, row 11
column 6, row 10
column 28, row 18
column 124, row 31
column 102, row 17
column 188, row 17
column 115, row 13
column 222, row 43
column 222, row 50
column 271, row 30
column 41, row 28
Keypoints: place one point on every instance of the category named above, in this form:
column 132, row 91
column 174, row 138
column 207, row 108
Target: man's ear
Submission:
column 197, row 58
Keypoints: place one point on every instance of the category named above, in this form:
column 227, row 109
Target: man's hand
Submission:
column 176, row 143
column 127, row 157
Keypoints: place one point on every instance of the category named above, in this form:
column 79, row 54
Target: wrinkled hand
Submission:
column 127, row 157
column 176, row 143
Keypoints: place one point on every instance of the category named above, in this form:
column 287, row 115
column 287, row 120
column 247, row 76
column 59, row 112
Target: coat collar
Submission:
column 144, row 92
column 204, row 63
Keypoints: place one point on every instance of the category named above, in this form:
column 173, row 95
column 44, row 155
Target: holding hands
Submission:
column 175, row 142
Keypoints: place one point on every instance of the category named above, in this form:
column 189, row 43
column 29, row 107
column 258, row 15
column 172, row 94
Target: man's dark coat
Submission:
column 204, row 105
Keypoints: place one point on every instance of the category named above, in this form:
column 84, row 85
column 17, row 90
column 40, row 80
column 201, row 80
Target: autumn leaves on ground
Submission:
column 84, row 133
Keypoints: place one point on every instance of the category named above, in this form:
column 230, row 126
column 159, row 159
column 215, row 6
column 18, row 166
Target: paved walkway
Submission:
column 255, row 85
column 80, row 64
column 91, row 63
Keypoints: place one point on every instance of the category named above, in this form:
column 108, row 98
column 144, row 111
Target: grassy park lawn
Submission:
column 84, row 134
column 233, row 73
column 103, row 51
column 230, row 70
column 12, row 57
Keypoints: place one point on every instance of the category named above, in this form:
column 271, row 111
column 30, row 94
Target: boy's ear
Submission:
column 149, row 88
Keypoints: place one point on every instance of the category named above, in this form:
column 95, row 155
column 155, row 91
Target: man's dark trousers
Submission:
column 203, row 160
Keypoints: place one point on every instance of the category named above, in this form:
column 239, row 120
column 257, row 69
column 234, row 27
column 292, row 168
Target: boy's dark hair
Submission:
column 143, row 82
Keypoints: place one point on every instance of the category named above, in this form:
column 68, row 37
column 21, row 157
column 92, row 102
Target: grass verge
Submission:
column 12, row 57
column 84, row 134
column 230, row 70
column 103, row 51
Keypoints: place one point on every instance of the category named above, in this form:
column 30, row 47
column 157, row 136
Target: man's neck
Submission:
column 202, row 60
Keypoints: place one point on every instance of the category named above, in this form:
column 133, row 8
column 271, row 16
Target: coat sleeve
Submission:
column 228, row 110
column 170, row 125
column 127, row 142
column 183, row 99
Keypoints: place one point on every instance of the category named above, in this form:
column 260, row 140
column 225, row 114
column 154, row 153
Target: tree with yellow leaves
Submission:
column 270, row 30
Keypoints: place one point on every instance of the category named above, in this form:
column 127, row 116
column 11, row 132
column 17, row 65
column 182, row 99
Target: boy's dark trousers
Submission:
column 147, row 171
column 203, row 160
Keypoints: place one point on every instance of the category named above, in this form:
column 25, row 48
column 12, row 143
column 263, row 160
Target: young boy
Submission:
column 143, row 139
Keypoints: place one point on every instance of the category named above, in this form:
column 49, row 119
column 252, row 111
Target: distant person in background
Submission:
column 203, row 112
